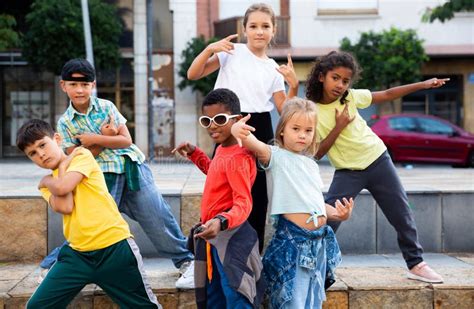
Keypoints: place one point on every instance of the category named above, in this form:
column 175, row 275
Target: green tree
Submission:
column 9, row 38
column 55, row 34
column 389, row 58
column 193, row 48
column 446, row 11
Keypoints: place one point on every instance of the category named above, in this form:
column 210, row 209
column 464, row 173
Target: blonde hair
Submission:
column 292, row 107
column 259, row 7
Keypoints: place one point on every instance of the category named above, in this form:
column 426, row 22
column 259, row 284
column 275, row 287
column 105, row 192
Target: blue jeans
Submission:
column 152, row 212
column 219, row 293
column 308, row 288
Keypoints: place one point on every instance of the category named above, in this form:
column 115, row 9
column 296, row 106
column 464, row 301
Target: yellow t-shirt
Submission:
column 357, row 146
column 95, row 222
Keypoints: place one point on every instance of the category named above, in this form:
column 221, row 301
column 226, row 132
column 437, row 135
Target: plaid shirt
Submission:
column 73, row 123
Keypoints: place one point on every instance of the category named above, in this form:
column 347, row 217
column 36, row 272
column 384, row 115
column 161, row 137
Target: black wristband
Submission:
column 224, row 222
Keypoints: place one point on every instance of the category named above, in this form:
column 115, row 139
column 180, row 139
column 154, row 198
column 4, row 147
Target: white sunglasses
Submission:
column 219, row 119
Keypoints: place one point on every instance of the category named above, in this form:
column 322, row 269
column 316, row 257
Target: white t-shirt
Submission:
column 253, row 79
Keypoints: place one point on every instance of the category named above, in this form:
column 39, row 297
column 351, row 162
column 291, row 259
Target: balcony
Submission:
column 228, row 26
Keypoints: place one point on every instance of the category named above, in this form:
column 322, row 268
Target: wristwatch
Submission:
column 224, row 222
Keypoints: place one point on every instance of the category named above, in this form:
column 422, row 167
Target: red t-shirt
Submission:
column 227, row 191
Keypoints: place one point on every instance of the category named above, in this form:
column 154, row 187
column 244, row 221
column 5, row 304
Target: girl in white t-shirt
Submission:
column 303, row 253
column 256, row 79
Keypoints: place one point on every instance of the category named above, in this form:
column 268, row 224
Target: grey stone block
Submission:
column 458, row 222
column 427, row 211
column 357, row 235
column 55, row 230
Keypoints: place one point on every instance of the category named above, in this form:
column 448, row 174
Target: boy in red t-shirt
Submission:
column 225, row 207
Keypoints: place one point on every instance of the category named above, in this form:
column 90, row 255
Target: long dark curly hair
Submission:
column 314, row 88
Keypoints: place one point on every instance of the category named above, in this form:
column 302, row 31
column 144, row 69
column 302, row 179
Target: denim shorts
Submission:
column 296, row 254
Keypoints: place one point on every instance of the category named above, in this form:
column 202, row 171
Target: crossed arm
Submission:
column 61, row 187
column 111, row 136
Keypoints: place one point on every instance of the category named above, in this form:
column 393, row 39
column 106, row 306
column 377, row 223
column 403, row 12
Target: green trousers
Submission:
column 117, row 269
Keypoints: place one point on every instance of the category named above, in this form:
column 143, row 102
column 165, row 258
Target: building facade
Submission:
column 305, row 28
column 26, row 93
column 310, row 28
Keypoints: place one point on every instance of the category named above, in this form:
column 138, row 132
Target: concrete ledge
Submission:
column 23, row 229
column 368, row 281
column 31, row 229
column 442, row 200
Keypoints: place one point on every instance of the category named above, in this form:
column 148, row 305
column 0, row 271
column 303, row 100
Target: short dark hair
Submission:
column 80, row 66
column 31, row 131
column 225, row 97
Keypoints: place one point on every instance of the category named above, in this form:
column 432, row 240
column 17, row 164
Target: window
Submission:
column 347, row 7
column 431, row 126
column 406, row 124
column 24, row 94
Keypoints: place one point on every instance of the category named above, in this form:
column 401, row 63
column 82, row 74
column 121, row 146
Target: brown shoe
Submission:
column 423, row 272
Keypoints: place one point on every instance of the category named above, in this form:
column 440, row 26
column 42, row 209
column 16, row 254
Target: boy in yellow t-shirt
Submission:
column 101, row 249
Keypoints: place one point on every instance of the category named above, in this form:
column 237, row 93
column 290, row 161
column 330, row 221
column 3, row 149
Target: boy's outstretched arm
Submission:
column 340, row 212
column 207, row 62
column 342, row 120
column 198, row 157
column 400, row 91
column 243, row 133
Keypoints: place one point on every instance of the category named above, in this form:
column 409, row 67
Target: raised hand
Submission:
column 288, row 72
column 224, row 45
column 185, row 149
column 435, row 82
column 343, row 118
column 343, row 212
column 109, row 128
column 240, row 130
column 65, row 163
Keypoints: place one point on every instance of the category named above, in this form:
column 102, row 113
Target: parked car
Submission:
column 422, row 138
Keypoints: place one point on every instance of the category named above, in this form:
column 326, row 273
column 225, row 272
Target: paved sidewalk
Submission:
column 20, row 178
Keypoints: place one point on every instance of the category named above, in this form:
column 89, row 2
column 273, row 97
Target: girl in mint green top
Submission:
column 303, row 252
column 359, row 156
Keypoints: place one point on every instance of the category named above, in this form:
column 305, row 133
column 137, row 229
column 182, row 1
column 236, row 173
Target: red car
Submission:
column 422, row 138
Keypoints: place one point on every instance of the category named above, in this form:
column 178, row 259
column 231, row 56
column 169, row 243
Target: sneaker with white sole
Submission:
column 186, row 281
column 423, row 272
column 42, row 275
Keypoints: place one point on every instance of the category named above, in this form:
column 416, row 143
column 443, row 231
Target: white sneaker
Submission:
column 186, row 281
column 42, row 275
